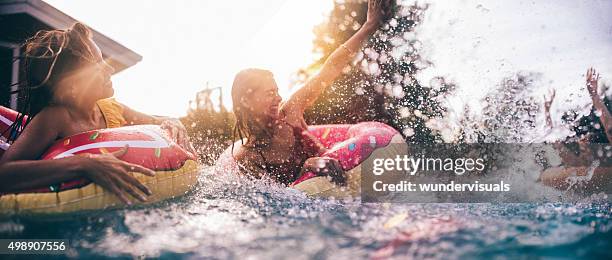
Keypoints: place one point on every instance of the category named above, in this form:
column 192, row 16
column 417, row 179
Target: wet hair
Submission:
column 244, row 82
column 48, row 57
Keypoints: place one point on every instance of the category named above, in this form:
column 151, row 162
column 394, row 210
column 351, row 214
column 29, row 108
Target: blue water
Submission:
column 226, row 217
column 237, row 218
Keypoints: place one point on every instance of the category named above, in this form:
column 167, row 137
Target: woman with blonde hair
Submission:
column 67, row 90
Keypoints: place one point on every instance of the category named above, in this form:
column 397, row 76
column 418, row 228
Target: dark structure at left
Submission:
column 21, row 19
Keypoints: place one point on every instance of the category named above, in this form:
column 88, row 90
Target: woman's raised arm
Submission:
column 314, row 86
column 547, row 104
column 592, row 79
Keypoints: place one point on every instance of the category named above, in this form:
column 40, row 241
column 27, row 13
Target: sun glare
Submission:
column 189, row 43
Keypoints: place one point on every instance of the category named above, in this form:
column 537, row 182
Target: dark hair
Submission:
column 48, row 57
column 244, row 82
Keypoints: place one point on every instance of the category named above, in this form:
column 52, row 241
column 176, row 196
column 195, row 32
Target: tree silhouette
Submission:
column 380, row 84
column 210, row 129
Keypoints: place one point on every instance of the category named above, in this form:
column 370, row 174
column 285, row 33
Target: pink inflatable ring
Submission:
column 349, row 144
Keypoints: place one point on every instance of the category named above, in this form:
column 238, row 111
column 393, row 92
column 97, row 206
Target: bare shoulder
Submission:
column 53, row 118
column 244, row 155
column 248, row 158
column 54, row 110
column 39, row 134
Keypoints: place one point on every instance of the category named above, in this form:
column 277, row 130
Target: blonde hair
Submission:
column 48, row 57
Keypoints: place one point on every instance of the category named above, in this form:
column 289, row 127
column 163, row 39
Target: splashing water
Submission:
column 574, row 179
column 229, row 216
column 232, row 217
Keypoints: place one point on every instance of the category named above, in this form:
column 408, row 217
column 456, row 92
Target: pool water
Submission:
column 228, row 217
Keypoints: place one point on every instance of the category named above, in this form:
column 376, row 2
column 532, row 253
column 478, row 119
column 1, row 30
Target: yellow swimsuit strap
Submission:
column 112, row 112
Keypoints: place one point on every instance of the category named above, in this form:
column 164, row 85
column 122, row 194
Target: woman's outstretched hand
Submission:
column 548, row 100
column 591, row 81
column 327, row 167
column 547, row 105
column 377, row 11
column 114, row 175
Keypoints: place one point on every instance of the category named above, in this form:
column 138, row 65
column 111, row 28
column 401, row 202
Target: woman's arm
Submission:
column 134, row 117
column 569, row 158
column 547, row 105
column 177, row 131
column 334, row 64
column 20, row 169
column 605, row 117
column 105, row 170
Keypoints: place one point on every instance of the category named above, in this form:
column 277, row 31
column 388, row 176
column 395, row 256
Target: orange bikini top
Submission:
column 112, row 112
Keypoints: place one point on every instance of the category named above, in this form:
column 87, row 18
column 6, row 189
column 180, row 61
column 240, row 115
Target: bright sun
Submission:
column 185, row 44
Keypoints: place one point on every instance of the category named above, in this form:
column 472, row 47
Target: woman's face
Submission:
column 263, row 100
column 89, row 83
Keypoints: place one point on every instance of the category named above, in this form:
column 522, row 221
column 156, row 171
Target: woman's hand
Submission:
column 591, row 81
column 178, row 133
column 547, row 105
column 548, row 100
column 310, row 141
column 114, row 175
column 325, row 166
column 377, row 10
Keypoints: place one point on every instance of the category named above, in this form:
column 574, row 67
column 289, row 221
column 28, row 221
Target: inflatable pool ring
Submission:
column 350, row 145
column 149, row 146
column 7, row 117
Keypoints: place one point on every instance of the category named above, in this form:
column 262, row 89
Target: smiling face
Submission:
column 256, row 102
column 255, row 92
column 64, row 67
column 264, row 100
column 89, row 82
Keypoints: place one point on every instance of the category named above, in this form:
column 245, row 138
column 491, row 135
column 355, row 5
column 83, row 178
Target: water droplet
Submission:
column 408, row 132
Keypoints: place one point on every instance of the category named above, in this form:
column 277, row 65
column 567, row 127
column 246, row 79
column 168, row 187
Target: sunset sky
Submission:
column 474, row 43
column 185, row 44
